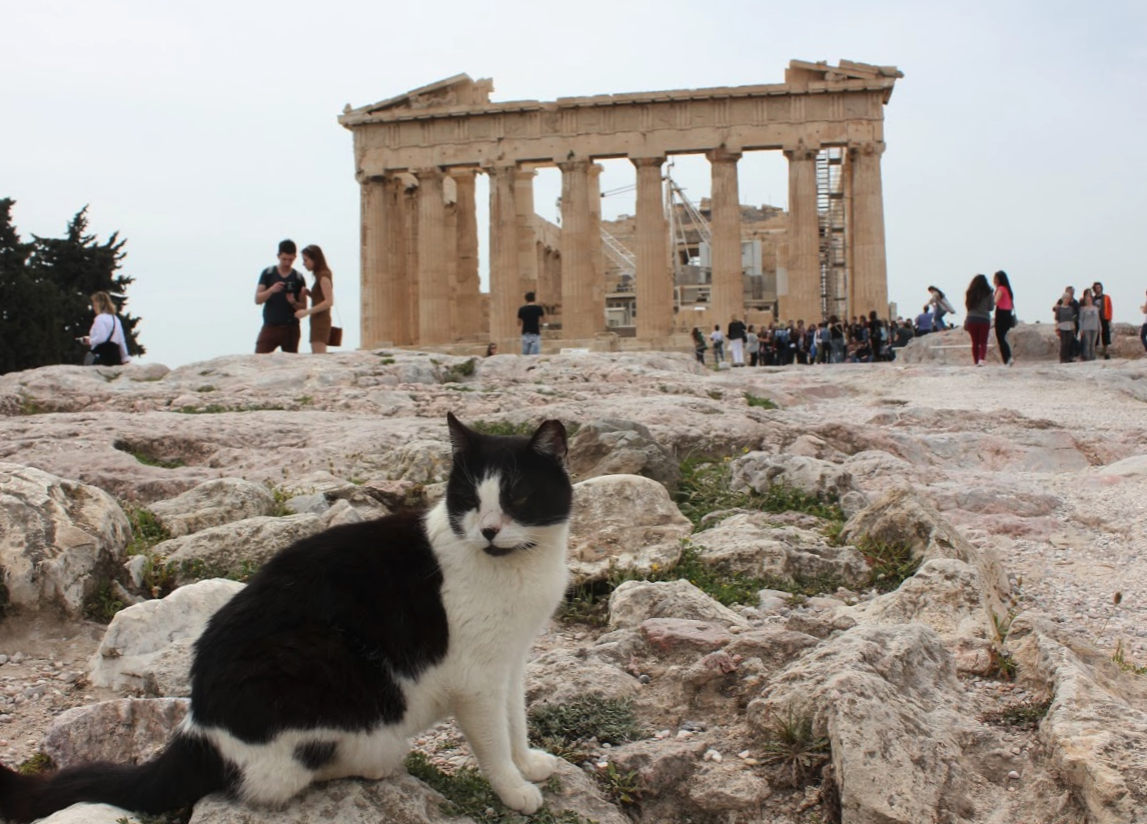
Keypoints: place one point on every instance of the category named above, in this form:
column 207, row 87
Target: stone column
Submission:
column 408, row 299
column 654, row 288
column 376, row 278
column 433, row 282
column 869, row 263
column 398, row 262
column 527, row 235
column 803, row 298
column 596, row 248
column 505, row 297
column 578, row 320
column 728, row 298
column 467, row 316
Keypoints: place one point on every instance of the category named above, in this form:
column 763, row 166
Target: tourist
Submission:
column 823, row 342
column 1143, row 328
column 836, row 338
column 529, row 322
column 1089, row 326
column 322, row 298
column 753, row 344
column 718, row 340
column 943, row 307
column 491, row 349
column 736, row 336
column 1066, row 322
column 699, row 346
column 978, row 321
column 924, row 321
column 1005, row 316
column 278, row 292
column 1103, row 303
column 107, row 345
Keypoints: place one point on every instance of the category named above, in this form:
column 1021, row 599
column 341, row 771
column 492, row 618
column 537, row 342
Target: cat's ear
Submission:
column 550, row 439
column 459, row 434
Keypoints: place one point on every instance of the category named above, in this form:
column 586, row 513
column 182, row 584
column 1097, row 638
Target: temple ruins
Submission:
column 417, row 157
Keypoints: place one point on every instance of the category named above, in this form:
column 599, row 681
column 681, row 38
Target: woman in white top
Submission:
column 106, row 340
column 1143, row 328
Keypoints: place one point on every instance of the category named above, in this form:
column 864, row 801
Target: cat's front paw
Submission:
column 525, row 798
column 538, row 765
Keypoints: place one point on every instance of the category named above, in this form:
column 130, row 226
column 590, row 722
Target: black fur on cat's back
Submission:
column 316, row 638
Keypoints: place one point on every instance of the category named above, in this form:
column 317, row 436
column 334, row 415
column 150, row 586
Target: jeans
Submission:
column 1005, row 320
column 978, row 331
column 531, row 344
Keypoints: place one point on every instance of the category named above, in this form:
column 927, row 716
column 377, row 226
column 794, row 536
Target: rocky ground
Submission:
column 1044, row 464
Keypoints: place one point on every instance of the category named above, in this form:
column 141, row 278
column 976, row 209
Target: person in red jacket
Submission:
column 1103, row 301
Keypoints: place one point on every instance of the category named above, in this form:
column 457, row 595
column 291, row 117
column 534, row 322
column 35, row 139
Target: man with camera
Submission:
column 280, row 292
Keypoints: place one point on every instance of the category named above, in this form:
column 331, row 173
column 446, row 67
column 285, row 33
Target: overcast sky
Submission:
column 206, row 132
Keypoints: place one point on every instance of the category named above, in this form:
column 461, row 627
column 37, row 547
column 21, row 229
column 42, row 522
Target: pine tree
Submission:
column 46, row 288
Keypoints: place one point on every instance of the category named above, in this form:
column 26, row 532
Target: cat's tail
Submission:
column 187, row 770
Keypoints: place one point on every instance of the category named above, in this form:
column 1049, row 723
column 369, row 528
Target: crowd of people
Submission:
column 1084, row 324
column 283, row 294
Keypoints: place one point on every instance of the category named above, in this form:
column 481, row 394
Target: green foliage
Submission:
column 504, row 428
column 563, row 729
column 35, row 765
column 469, row 794
column 146, row 530
column 457, row 371
column 45, row 288
column 1026, row 715
column 623, row 788
column 218, row 408
column 147, row 460
column 586, row 604
column 202, row 570
column 764, row 403
column 102, row 604
column 281, row 497
column 890, row 564
column 1120, row 659
column 793, row 749
column 704, row 488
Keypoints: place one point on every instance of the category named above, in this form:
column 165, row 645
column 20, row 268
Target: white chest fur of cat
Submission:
column 348, row 643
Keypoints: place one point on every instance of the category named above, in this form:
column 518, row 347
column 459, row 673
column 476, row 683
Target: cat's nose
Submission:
column 489, row 533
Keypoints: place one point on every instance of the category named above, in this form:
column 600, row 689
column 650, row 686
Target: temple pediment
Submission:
column 459, row 90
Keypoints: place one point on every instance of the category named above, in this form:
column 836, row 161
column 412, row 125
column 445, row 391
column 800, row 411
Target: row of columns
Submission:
column 420, row 281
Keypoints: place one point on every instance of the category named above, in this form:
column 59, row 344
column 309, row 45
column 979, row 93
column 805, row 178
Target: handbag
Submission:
column 335, row 337
column 106, row 353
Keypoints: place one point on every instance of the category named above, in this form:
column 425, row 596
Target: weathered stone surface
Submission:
column 774, row 646
column 158, row 634
column 618, row 447
column 871, row 690
column 237, row 547
column 400, row 799
column 623, row 522
column 90, row 814
column 578, row 793
column 58, row 538
column 634, row 602
column 726, row 787
column 126, row 730
column 663, row 768
column 901, row 516
column 751, row 544
column 669, row 635
column 760, row 470
column 213, row 503
column 948, row 596
column 1096, row 727
column 560, row 676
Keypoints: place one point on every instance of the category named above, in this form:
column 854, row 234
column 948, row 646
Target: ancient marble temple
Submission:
column 417, row 156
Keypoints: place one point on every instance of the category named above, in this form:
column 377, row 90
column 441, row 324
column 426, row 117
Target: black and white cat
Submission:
column 349, row 642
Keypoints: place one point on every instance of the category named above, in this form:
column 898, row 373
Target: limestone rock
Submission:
column 634, row 602
column 882, row 684
column 58, row 538
column 213, row 503
column 90, row 814
column 663, row 768
column 751, row 544
column 618, row 447
column 948, row 596
column 400, row 798
column 560, row 676
column 578, row 793
column 901, row 516
column 670, row 635
column 1096, row 727
column 158, row 634
column 237, row 547
column 623, row 522
column 727, row 787
column 125, row 730
column 760, row 470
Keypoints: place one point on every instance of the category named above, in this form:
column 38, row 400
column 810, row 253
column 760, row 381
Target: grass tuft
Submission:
column 38, row 763
column 503, row 428
column 1025, row 716
column 763, row 403
column 793, row 749
column 559, row 727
